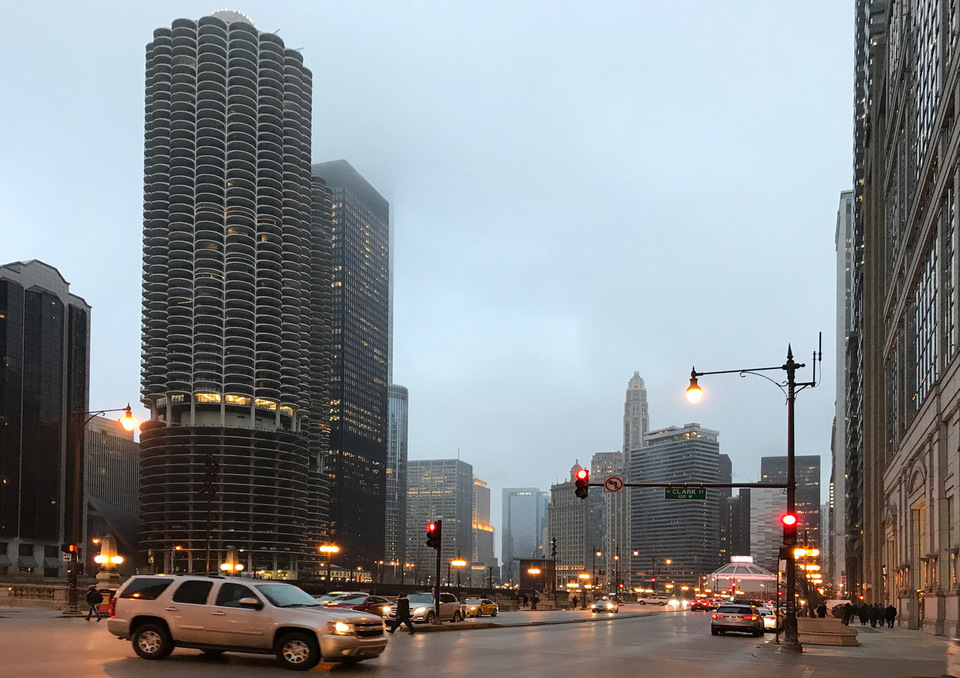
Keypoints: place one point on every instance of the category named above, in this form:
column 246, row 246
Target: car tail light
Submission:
column 752, row 617
column 112, row 607
column 717, row 616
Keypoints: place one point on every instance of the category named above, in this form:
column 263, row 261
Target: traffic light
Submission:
column 789, row 521
column 434, row 534
column 583, row 483
column 68, row 548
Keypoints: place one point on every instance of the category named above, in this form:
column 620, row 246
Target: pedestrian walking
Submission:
column 94, row 598
column 575, row 601
column 874, row 615
column 822, row 610
column 524, row 599
column 847, row 614
column 534, row 601
column 403, row 614
column 864, row 613
column 890, row 614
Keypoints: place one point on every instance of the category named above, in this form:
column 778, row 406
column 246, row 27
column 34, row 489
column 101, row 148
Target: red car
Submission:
column 701, row 604
column 365, row 603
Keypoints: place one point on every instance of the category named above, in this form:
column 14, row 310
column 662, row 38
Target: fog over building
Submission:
column 395, row 513
column 356, row 464
column 439, row 489
column 524, row 517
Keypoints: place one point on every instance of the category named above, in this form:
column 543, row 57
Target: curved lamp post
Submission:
column 81, row 419
column 790, row 387
column 109, row 561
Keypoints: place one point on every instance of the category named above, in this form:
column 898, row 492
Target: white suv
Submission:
column 217, row 614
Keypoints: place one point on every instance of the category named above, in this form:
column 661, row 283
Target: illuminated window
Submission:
column 237, row 400
column 207, row 397
column 264, row 404
column 286, row 410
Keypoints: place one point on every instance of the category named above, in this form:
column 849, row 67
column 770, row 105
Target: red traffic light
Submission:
column 582, row 482
column 789, row 520
column 431, row 527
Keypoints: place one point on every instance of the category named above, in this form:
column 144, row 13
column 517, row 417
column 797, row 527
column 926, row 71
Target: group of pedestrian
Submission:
column 528, row 601
column 875, row 614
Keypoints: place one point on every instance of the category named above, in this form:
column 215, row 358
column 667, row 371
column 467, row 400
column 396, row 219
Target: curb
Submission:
column 477, row 626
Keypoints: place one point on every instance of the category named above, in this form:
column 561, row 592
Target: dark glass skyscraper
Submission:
column 357, row 461
column 233, row 280
column 44, row 348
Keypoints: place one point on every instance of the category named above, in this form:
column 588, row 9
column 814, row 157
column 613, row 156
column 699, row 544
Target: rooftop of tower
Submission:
column 230, row 16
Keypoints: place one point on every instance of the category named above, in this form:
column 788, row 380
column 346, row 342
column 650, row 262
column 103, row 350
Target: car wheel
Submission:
column 715, row 631
column 297, row 651
column 493, row 614
column 430, row 617
column 662, row 604
column 152, row 641
column 758, row 633
column 643, row 602
column 456, row 617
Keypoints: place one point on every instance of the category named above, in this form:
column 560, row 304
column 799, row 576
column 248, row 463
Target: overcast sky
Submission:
column 579, row 190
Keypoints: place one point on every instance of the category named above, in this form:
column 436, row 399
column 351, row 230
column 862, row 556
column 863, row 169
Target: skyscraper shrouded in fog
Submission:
column 233, row 278
column 356, row 465
column 44, row 348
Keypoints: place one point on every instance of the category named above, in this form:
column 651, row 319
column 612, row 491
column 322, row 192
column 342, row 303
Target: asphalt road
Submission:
column 652, row 645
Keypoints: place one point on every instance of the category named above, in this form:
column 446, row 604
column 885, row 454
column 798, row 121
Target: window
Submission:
column 231, row 594
column 193, row 592
column 146, row 588
column 26, row 550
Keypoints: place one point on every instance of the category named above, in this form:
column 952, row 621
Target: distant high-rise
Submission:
column 233, row 322
column 395, row 514
column 357, row 461
column 482, row 557
column 611, row 537
column 439, row 489
column 45, row 353
column 524, row 517
column 807, row 497
column 568, row 518
column 636, row 424
column 686, row 532
column 767, row 504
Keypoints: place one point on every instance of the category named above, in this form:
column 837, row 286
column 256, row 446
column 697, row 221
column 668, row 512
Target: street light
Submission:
column 458, row 563
column 583, row 577
column 109, row 561
column 78, row 502
column 232, row 565
column 790, row 388
column 329, row 549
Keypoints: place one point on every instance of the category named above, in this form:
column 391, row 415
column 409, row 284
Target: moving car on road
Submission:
column 606, row 604
column 477, row 607
column 772, row 620
column 732, row 617
column 423, row 610
column 363, row 602
column 653, row 600
column 222, row 614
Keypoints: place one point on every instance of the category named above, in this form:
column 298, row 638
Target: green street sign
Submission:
column 685, row 493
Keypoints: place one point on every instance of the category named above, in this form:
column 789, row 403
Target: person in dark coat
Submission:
column 575, row 601
column 94, row 598
column 403, row 614
column 822, row 610
column 874, row 614
column 864, row 613
column 524, row 599
column 534, row 601
column 847, row 613
column 889, row 615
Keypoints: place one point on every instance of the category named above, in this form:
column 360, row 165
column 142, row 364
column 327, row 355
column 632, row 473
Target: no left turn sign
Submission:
column 612, row 484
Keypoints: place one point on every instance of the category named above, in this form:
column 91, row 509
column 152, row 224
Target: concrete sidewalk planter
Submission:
column 826, row 631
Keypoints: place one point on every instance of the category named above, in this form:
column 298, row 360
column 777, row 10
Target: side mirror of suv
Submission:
column 250, row 603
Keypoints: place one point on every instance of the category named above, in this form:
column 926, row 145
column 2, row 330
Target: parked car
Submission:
column 732, row 617
column 423, row 610
column 363, row 602
column 333, row 595
column 224, row 614
column 606, row 604
column 653, row 600
column 477, row 607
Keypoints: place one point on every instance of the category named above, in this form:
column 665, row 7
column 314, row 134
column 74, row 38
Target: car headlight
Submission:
column 386, row 609
column 609, row 606
column 419, row 610
column 340, row 628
